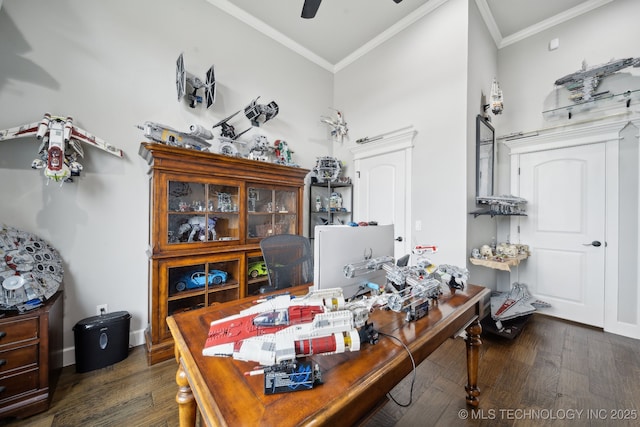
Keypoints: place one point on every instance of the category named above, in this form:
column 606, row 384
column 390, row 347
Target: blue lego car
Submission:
column 198, row 279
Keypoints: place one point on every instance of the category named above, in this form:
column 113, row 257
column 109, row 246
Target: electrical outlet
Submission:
column 101, row 309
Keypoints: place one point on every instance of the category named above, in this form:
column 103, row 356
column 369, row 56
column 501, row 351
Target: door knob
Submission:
column 594, row 243
column 399, row 238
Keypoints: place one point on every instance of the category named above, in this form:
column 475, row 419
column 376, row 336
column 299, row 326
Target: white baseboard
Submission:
column 136, row 338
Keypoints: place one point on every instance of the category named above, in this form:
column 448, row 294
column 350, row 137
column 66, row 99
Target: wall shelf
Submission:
column 606, row 101
column 500, row 263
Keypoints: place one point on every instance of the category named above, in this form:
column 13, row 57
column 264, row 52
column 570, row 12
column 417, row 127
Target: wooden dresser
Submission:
column 30, row 358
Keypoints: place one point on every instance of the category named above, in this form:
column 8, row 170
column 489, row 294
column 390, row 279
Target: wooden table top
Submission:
column 353, row 383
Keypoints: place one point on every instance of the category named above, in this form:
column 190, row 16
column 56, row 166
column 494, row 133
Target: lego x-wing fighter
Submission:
column 61, row 145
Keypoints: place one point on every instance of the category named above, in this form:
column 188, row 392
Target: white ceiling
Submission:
column 343, row 30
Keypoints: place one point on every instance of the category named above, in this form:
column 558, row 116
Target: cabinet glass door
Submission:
column 200, row 212
column 270, row 211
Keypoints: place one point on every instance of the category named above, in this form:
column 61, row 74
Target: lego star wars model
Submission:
column 184, row 79
column 196, row 138
column 260, row 113
column 283, row 328
column 31, row 270
column 337, row 124
column 61, row 145
column 583, row 83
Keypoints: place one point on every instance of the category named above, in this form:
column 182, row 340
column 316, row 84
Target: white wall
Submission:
column 481, row 69
column 111, row 65
column 419, row 78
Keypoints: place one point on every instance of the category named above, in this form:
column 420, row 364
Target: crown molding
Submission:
column 269, row 31
column 552, row 22
column 503, row 41
column 405, row 22
column 274, row 34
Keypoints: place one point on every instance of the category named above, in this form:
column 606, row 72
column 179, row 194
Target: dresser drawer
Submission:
column 13, row 385
column 18, row 330
column 17, row 358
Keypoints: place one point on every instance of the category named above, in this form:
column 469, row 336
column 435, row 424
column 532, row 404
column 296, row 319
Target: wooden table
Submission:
column 353, row 383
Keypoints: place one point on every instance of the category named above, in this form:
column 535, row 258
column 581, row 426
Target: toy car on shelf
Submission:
column 256, row 269
column 197, row 280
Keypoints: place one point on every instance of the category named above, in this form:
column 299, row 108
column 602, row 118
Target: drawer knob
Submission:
column 3, row 362
column 2, row 334
column 2, row 388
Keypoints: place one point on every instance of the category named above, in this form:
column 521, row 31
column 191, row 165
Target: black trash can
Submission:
column 101, row 340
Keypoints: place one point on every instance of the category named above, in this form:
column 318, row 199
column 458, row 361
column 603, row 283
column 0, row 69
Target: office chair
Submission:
column 288, row 259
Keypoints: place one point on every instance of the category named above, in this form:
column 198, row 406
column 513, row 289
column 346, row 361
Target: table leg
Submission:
column 473, row 348
column 185, row 399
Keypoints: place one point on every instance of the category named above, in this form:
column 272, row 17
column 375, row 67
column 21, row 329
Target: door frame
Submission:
column 400, row 140
column 562, row 137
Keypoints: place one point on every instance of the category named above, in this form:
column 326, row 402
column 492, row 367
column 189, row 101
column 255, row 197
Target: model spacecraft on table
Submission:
column 583, row 83
column 61, row 145
column 186, row 80
column 31, row 270
column 280, row 329
column 283, row 328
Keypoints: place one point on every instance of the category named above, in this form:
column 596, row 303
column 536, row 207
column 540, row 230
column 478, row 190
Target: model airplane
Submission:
column 196, row 138
column 338, row 125
column 184, row 78
column 61, row 145
column 283, row 328
column 583, row 83
column 260, row 113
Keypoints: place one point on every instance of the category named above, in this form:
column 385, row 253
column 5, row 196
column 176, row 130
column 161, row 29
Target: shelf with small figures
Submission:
column 505, row 205
column 500, row 262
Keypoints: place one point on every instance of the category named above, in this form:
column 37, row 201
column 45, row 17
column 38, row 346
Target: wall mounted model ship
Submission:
column 61, row 146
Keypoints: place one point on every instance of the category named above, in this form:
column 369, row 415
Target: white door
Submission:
column 382, row 194
column 565, row 228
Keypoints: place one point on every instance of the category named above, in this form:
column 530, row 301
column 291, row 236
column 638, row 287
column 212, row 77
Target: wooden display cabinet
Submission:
column 207, row 215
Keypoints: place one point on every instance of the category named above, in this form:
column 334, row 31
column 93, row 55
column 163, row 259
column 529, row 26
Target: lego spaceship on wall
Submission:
column 61, row 145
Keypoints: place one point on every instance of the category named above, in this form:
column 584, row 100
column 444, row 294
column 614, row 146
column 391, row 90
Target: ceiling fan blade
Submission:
column 397, row 1
column 310, row 8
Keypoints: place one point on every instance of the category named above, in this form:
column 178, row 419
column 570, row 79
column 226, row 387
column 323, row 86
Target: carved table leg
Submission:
column 473, row 346
column 185, row 399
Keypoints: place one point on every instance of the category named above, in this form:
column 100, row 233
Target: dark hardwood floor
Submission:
column 555, row 373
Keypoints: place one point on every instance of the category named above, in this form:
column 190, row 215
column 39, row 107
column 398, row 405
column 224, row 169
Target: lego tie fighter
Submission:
column 184, row 78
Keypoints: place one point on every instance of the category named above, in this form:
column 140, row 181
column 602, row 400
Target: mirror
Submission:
column 485, row 153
